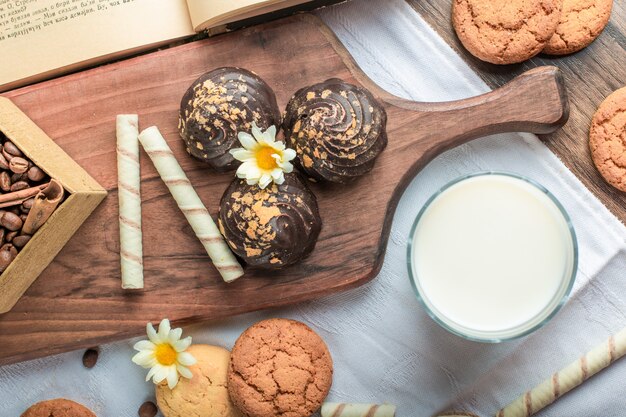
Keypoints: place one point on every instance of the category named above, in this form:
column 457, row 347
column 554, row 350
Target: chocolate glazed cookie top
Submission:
column 270, row 228
column 220, row 104
column 337, row 130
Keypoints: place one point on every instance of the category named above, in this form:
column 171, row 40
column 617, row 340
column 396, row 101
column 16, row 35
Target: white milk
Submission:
column 492, row 255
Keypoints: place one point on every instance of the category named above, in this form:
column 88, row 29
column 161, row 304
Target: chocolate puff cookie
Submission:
column 337, row 130
column 219, row 105
column 272, row 227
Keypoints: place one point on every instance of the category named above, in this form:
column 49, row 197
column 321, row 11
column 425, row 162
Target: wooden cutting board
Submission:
column 77, row 301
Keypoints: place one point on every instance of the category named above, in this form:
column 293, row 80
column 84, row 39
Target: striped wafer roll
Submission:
column 568, row 378
column 128, row 181
column 190, row 204
column 358, row 410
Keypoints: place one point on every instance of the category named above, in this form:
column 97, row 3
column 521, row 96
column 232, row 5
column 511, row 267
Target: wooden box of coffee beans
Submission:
column 44, row 198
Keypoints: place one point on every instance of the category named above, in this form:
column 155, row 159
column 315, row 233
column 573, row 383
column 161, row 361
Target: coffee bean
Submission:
column 2, row 232
column 23, row 216
column 11, row 149
column 9, row 236
column 11, row 221
column 24, row 209
column 147, row 409
column 90, row 357
column 20, row 185
column 28, row 203
column 21, row 240
column 4, row 164
column 9, row 247
column 6, row 256
column 5, row 181
column 35, row 173
column 18, row 177
column 18, row 165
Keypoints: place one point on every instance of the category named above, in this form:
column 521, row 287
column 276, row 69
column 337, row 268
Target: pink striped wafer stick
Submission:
column 190, row 204
column 568, row 378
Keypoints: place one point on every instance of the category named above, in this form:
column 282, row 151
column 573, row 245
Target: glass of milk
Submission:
column 492, row 256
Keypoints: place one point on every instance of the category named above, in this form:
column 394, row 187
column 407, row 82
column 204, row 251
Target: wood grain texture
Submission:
column 590, row 75
column 78, row 302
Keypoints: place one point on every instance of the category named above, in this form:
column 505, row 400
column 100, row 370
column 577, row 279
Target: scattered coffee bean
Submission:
column 90, row 357
column 2, row 233
column 11, row 149
column 4, row 164
column 9, row 236
column 20, row 185
column 148, row 409
column 18, row 165
column 34, row 173
column 11, row 221
column 23, row 216
column 20, row 241
column 5, row 181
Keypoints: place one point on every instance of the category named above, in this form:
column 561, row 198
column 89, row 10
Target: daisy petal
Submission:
column 288, row 154
column 161, row 373
column 246, row 140
column 181, row 345
column 256, row 132
column 172, row 377
column 164, row 329
column 277, row 173
column 184, row 371
column 186, row 359
column 151, row 373
column 265, row 180
column 280, row 179
column 175, row 335
column 144, row 358
column 144, row 345
column 270, row 134
column 242, row 154
column 152, row 334
column 287, row 167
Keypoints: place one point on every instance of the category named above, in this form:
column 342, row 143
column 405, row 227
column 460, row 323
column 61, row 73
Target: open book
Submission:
column 44, row 38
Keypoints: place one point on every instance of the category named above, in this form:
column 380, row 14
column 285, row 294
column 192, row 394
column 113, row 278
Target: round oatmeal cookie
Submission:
column 581, row 23
column 607, row 139
column 505, row 31
column 59, row 407
column 205, row 394
column 279, row 367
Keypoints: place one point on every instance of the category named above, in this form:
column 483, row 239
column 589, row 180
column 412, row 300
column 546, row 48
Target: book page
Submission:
column 45, row 36
column 208, row 13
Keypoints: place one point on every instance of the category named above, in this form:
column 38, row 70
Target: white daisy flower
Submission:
column 164, row 354
column 264, row 159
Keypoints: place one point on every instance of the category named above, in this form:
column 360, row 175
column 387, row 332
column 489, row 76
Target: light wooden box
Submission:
column 83, row 194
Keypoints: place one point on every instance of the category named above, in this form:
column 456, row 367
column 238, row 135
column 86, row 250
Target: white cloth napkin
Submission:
column 385, row 348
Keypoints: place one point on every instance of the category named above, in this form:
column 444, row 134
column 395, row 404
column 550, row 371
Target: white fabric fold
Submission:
column 385, row 348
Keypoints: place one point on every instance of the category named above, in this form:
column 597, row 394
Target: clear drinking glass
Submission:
column 517, row 331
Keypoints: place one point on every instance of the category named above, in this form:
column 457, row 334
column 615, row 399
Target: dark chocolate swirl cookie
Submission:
column 270, row 228
column 220, row 104
column 337, row 130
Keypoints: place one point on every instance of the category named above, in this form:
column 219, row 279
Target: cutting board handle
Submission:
column 535, row 101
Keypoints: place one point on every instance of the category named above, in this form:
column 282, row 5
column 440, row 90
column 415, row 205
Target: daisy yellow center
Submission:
column 165, row 354
column 264, row 158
